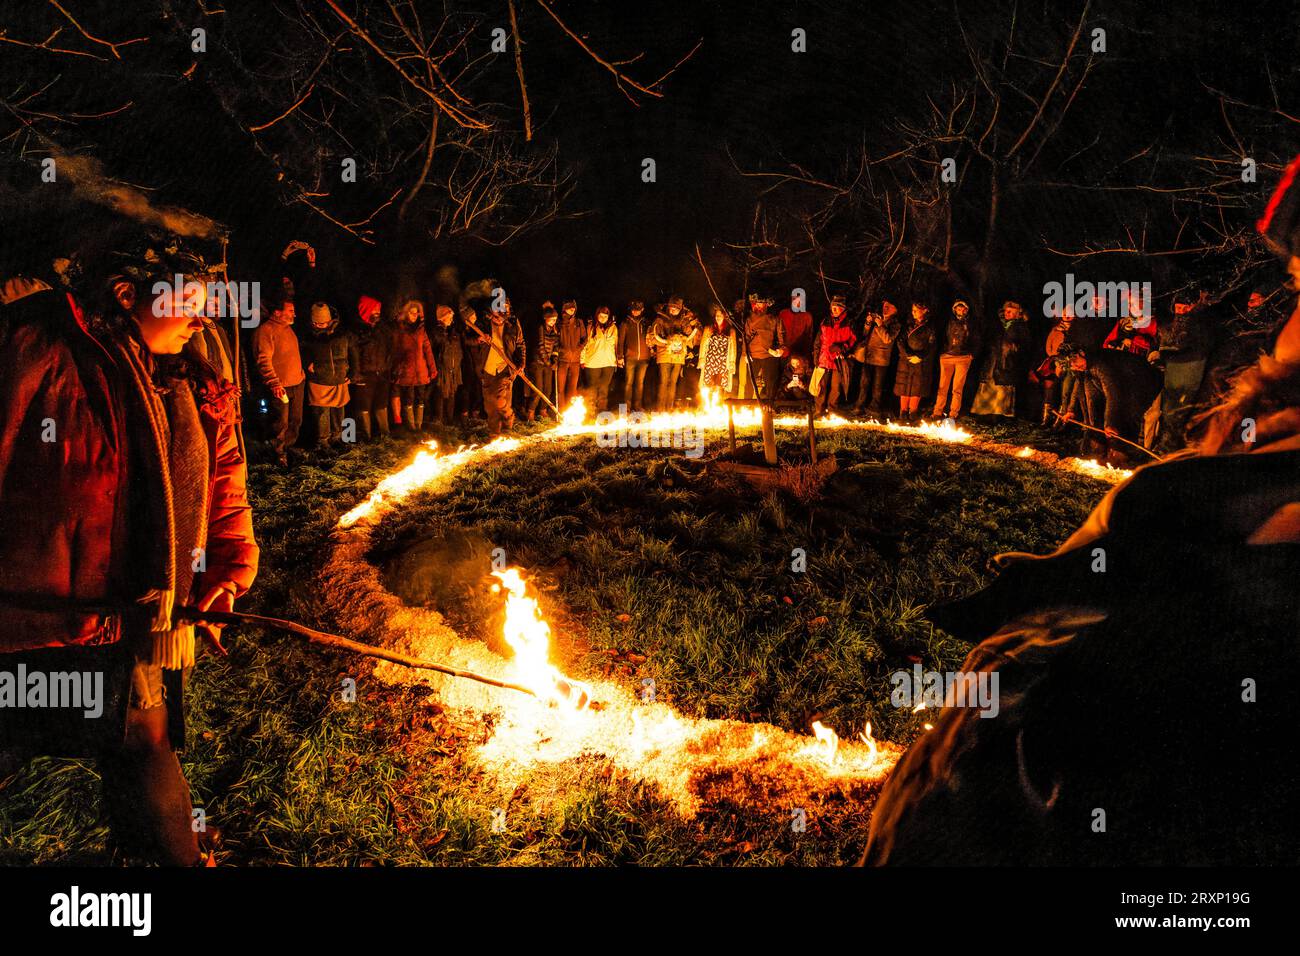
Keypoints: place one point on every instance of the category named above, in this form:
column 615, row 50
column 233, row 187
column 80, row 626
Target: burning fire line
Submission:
column 649, row 739
column 430, row 466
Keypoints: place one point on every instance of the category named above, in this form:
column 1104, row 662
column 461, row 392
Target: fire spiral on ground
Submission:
column 683, row 757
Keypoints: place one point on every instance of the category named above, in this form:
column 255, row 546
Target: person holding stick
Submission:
column 138, row 505
column 498, row 357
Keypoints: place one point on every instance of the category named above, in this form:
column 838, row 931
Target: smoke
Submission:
column 90, row 183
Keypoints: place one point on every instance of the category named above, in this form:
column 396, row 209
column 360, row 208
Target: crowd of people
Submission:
column 411, row 368
column 123, row 461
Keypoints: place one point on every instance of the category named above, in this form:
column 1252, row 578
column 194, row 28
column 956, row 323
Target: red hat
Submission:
column 368, row 308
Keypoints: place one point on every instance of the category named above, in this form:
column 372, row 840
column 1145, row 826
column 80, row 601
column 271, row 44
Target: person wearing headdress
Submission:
column 124, row 499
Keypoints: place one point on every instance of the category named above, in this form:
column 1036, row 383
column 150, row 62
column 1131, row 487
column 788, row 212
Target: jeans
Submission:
column 634, row 386
column 669, row 373
column 329, row 423
column 952, row 371
column 543, row 376
column 835, row 385
column 286, row 418
column 873, row 381
column 598, row 380
column 568, row 383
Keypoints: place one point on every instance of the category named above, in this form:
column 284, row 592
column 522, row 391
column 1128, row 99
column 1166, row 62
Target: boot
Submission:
column 408, row 416
column 365, row 426
column 419, row 418
column 381, row 420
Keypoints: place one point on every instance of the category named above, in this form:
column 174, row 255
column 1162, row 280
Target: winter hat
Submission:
column 323, row 316
column 960, row 302
column 368, row 308
column 838, row 300
column 570, row 304
column 636, row 304
column 676, row 300
column 443, row 311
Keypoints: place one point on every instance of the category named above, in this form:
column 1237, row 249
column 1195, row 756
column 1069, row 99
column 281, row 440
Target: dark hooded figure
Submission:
column 1147, row 668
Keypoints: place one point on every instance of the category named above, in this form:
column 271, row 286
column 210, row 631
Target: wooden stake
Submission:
column 769, row 435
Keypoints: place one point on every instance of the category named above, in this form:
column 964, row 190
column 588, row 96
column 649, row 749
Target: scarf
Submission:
column 164, row 425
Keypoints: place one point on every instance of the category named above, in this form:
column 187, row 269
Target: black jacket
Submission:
column 1006, row 361
column 329, row 358
column 959, row 336
column 546, row 346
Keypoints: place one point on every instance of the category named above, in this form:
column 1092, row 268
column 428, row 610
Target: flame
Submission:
column 1025, row 453
column 575, row 415
column 1096, row 469
column 529, row 636
column 873, row 751
column 828, row 742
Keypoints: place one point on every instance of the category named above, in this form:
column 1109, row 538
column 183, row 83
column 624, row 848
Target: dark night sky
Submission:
column 866, row 65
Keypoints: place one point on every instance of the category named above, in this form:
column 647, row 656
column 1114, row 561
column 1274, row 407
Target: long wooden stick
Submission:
column 186, row 613
column 511, row 365
column 1102, row 431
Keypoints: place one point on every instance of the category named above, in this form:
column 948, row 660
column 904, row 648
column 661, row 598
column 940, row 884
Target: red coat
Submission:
column 1141, row 342
column 66, row 480
column 834, row 341
column 412, row 358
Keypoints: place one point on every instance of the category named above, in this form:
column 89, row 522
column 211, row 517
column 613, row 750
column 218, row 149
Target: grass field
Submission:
column 654, row 566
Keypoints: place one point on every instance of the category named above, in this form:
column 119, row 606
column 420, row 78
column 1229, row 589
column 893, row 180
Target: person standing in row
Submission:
column 879, row 332
column 600, row 357
column 1004, row 368
column 717, row 361
column 634, row 354
column 673, row 333
column 449, row 358
column 797, row 329
column 834, row 341
column 916, row 348
column 370, row 384
column 765, row 347
column 330, row 355
column 545, row 354
column 279, row 363
column 1049, row 372
column 494, row 354
column 413, row 363
column 573, row 336
column 954, row 361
